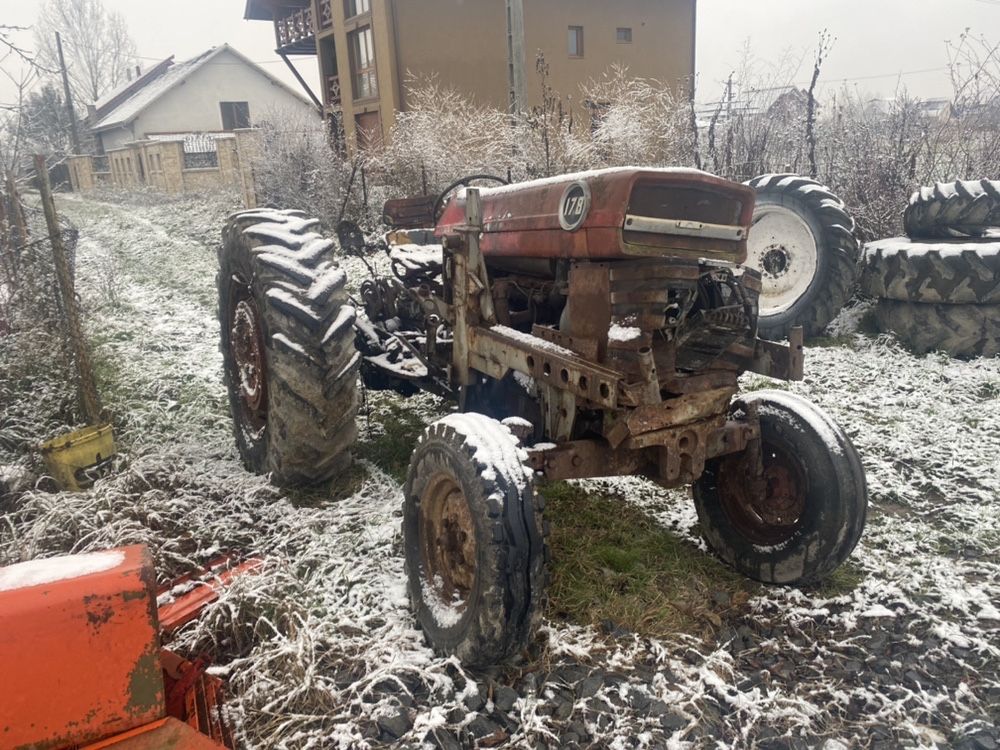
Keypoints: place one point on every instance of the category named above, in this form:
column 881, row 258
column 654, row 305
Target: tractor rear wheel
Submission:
column 473, row 540
column 809, row 510
column 802, row 241
column 288, row 347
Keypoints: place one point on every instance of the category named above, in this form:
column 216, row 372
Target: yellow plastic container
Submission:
column 75, row 458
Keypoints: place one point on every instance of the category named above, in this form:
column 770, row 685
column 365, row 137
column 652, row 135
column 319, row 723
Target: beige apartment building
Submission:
column 368, row 49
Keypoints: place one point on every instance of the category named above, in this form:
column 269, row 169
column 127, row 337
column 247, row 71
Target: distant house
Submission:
column 217, row 91
column 366, row 49
column 182, row 127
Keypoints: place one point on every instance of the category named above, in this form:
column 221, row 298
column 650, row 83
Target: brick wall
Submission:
column 160, row 164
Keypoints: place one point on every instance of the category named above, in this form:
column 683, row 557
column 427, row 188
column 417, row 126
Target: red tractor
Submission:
column 587, row 325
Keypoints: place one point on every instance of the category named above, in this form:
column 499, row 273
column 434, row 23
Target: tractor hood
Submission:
column 613, row 213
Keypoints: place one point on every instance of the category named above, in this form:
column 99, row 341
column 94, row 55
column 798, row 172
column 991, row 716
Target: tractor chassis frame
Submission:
column 668, row 441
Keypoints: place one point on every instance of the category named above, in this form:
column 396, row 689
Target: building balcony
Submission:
column 333, row 95
column 295, row 32
column 325, row 14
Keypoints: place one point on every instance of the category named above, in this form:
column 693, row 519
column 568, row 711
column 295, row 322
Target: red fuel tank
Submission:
column 614, row 213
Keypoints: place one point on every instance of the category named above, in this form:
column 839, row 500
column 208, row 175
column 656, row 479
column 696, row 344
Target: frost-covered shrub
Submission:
column 635, row 121
column 297, row 166
column 873, row 154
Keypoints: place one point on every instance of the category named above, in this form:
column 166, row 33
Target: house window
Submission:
column 362, row 49
column 624, row 35
column 235, row 115
column 368, row 127
column 576, row 41
column 354, row 8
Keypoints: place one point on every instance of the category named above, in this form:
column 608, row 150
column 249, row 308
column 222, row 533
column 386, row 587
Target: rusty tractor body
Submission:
column 616, row 294
column 84, row 667
column 587, row 325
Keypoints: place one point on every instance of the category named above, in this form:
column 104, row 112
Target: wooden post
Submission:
column 88, row 388
column 16, row 221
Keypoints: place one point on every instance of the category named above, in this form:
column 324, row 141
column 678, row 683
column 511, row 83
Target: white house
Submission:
column 217, row 91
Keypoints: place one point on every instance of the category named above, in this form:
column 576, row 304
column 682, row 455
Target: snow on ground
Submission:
column 320, row 651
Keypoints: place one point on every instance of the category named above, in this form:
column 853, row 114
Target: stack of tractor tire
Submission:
column 938, row 288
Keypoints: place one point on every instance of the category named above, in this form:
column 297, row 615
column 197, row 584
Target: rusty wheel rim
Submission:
column 246, row 342
column 766, row 511
column 448, row 543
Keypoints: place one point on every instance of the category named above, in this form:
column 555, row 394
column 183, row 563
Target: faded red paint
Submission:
column 522, row 220
column 186, row 607
column 80, row 657
column 166, row 734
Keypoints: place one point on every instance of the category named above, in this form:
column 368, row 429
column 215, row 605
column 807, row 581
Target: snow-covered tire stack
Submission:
column 802, row 241
column 288, row 347
column 939, row 288
column 966, row 208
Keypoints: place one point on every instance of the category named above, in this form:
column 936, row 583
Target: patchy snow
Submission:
column 497, row 451
column 51, row 569
column 324, row 643
column 624, row 334
column 418, row 257
column 533, row 341
column 565, row 179
column 446, row 614
column 895, row 245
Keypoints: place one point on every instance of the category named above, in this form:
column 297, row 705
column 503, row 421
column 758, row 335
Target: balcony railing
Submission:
column 295, row 27
column 325, row 14
column 333, row 91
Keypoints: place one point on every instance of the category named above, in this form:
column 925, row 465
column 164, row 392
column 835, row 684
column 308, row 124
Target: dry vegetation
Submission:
column 872, row 153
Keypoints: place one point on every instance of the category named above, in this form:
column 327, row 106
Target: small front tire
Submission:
column 473, row 541
column 812, row 512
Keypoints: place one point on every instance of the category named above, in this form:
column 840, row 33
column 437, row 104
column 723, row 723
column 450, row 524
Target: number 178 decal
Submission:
column 574, row 206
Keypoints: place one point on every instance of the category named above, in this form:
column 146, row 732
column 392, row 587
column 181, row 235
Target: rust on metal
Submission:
column 671, row 457
column 526, row 222
column 248, row 351
column 195, row 697
column 589, row 315
column 448, row 553
column 767, row 509
column 87, row 673
column 159, row 735
column 205, row 587
column 409, row 213
column 778, row 360
column 670, row 413
column 496, row 353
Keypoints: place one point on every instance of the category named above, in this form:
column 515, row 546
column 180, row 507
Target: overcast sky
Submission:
column 876, row 40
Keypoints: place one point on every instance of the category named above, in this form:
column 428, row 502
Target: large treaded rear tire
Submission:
column 962, row 273
column 965, row 208
column 474, row 540
column 294, row 414
column 833, row 272
column 958, row 330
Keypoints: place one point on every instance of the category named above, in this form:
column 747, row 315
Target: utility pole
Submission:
column 69, row 97
column 515, row 57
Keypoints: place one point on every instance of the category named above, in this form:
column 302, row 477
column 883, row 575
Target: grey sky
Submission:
column 873, row 37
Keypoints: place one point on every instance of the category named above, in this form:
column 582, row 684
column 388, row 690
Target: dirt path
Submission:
column 321, row 651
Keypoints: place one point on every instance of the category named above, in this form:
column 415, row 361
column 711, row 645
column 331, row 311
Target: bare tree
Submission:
column 99, row 50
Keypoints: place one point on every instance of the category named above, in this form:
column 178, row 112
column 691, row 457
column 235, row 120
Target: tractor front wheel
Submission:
column 474, row 540
column 800, row 516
